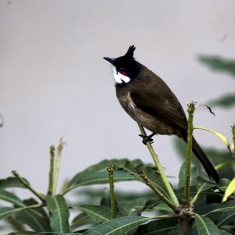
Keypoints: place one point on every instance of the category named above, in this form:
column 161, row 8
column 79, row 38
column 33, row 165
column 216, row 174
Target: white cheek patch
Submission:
column 119, row 78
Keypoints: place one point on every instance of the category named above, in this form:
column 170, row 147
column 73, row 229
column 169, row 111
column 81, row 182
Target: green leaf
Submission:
column 162, row 207
column 105, row 200
column 97, row 213
column 223, row 184
column 24, row 233
column 97, row 167
column 218, row 64
column 222, row 137
column 9, row 197
column 159, row 227
column 152, row 175
column 210, row 211
column 11, row 182
column 194, row 174
column 127, row 211
column 226, row 206
column 205, row 226
column 226, row 218
column 204, row 183
column 35, row 218
column 150, row 204
column 101, row 178
column 224, row 164
column 59, row 214
column 118, row 226
column 227, row 100
column 230, row 189
column 7, row 211
column 80, row 220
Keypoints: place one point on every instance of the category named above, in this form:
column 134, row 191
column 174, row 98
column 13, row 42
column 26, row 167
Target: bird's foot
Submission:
column 147, row 138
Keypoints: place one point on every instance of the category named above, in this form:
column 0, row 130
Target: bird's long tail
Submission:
column 209, row 168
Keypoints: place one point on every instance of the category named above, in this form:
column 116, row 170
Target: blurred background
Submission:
column 55, row 84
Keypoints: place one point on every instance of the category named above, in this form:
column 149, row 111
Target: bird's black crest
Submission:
column 130, row 53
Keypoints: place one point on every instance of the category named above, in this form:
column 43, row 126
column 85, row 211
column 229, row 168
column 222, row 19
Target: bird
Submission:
column 151, row 103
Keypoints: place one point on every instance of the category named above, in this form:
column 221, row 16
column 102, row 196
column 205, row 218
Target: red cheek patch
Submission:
column 123, row 73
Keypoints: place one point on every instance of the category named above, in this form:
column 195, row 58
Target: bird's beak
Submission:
column 110, row 60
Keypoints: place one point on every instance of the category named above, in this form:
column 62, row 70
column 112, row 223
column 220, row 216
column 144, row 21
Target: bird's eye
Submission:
column 121, row 71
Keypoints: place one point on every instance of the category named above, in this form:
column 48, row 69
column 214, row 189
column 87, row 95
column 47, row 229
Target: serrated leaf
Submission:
column 118, row 226
column 97, row 167
column 230, row 189
column 101, row 177
column 193, row 175
column 159, row 227
column 59, row 214
column 96, row 212
column 11, row 182
column 9, row 197
column 205, row 226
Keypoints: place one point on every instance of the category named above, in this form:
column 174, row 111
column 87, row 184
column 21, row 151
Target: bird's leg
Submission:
column 147, row 138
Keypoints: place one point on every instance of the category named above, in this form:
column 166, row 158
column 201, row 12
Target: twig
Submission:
column 143, row 175
column 27, row 185
column 160, row 169
column 110, row 170
column 57, row 165
column 51, row 172
column 186, row 201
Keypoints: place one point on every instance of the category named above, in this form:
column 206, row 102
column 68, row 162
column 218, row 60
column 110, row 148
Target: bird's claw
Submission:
column 146, row 139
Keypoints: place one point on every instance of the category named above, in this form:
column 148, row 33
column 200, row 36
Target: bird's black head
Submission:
column 124, row 67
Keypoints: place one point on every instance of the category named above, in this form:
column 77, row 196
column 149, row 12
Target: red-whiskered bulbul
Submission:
column 151, row 103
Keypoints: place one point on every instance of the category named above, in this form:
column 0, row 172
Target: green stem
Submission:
column 57, row 165
column 186, row 201
column 27, row 185
column 160, row 169
column 51, row 172
column 155, row 189
column 110, row 170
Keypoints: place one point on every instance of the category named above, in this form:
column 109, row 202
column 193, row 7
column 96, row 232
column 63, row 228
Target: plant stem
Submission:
column 160, row 169
column 155, row 189
column 186, row 201
column 57, row 165
column 110, row 170
column 51, row 172
column 27, row 185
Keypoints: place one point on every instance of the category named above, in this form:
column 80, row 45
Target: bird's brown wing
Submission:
column 162, row 105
